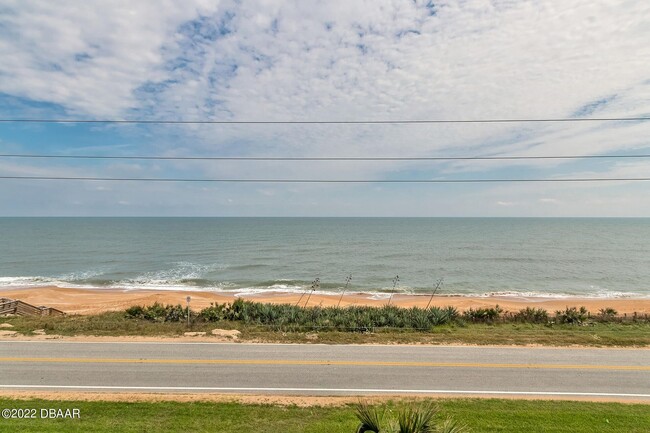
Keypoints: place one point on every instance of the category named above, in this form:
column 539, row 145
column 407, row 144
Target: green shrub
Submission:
column 452, row 313
column 175, row 313
column 443, row 316
column 213, row 313
column 158, row 313
column 531, row 315
column 359, row 318
column 420, row 418
column 135, row 312
column 354, row 318
column 483, row 315
column 607, row 314
column 420, row 319
column 572, row 316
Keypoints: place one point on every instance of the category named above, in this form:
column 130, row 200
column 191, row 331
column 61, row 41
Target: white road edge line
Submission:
column 346, row 390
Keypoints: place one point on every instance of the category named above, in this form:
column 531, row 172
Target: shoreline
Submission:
column 95, row 301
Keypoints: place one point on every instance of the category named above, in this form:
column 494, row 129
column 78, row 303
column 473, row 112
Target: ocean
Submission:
column 587, row 257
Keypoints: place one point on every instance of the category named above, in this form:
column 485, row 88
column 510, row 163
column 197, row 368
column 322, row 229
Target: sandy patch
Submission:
column 93, row 301
column 276, row 400
column 230, row 334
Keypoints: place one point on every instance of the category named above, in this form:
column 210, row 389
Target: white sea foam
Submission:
column 21, row 282
column 181, row 276
column 531, row 294
column 518, row 294
column 26, row 281
column 180, row 279
column 277, row 288
column 81, row 275
column 378, row 295
column 171, row 286
column 181, row 271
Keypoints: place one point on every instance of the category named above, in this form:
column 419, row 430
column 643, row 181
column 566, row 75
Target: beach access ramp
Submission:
column 20, row 308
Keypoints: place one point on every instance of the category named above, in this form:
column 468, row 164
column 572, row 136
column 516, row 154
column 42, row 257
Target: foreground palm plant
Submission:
column 413, row 419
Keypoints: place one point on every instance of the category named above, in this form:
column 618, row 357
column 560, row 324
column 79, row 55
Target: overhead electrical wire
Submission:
column 323, row 158
column 335, row 158
column 329, row 122
column 237, row 180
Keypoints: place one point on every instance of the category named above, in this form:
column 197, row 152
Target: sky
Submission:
column 303, row 60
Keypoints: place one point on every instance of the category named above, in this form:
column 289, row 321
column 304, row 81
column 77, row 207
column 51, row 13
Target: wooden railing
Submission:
column 20, row 308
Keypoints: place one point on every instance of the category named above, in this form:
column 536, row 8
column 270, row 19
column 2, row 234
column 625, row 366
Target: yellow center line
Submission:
column 324, row 362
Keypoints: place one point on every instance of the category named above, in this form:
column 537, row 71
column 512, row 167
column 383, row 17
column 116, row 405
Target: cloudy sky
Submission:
column 198, row 60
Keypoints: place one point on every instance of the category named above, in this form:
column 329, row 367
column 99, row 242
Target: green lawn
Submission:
column 481, row 415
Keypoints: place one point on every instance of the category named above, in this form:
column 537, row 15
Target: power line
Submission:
column 325, row 158
column 330, row 122
column 236, row 180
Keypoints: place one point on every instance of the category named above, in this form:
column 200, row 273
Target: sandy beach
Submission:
column 93, row 301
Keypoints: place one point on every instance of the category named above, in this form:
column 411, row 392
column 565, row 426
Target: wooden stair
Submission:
column 20, row 308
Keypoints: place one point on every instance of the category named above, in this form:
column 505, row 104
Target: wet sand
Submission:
column 93, row 301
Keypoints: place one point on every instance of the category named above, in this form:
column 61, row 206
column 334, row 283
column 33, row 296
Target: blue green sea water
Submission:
column 590, row 257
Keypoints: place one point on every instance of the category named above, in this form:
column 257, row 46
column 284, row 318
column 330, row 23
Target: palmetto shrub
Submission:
column 442, row 316
column 213, row 313
column 573, row 315
column 420, row 319
column 159, row 313
column 135, row 312
column 156, row 312
column 607, row 314
column 176, row 313
column 355, row 318
column 359, row 318
column 483, row 315
column 531, row 315
column 411, row 419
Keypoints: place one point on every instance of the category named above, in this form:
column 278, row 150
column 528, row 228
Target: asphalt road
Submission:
column 324, row 369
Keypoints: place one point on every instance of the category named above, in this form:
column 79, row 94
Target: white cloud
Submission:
column 346, row 60
column 87, row 56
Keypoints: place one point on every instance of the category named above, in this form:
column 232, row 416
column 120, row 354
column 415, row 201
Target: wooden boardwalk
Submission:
column 20, row 308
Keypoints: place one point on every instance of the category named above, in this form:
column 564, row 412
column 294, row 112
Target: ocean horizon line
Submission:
column 593, row 217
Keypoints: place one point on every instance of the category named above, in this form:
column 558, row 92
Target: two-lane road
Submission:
column 324, row 369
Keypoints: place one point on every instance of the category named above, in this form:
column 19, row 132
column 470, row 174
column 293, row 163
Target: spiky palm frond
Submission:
column 417, row 419
column 370, row 417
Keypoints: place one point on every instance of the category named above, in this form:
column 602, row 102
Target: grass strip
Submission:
column 116, row 324
column 493, row 415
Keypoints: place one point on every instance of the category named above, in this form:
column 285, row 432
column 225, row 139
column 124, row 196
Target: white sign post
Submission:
column 188, row 309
